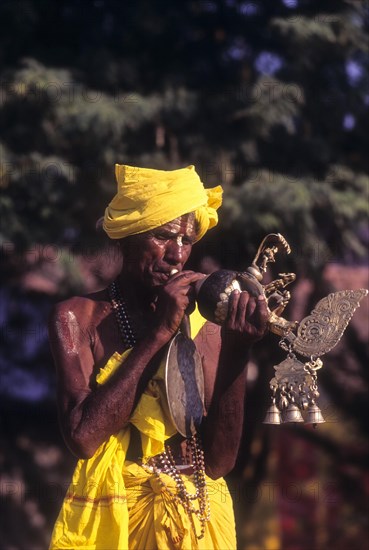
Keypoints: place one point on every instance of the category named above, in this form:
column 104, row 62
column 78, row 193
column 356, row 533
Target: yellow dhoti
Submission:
column 157, row 521
column 113, row 504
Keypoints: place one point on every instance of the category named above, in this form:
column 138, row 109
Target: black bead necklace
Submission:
column 121, row 314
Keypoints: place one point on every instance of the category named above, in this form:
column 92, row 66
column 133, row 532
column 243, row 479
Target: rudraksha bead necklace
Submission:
column 164, row 462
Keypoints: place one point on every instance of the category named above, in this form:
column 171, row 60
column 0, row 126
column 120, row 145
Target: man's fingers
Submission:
column 251, row 306
column 261, row 314
column 245, row 310
column 242, row 307
column 232, row 307
column 185, row 278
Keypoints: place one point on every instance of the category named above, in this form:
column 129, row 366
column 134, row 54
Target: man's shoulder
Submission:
column 78, row 308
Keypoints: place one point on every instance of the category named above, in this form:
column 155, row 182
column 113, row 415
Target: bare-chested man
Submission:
column 87, row 332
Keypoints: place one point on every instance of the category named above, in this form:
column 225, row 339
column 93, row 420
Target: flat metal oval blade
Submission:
column 184, row 382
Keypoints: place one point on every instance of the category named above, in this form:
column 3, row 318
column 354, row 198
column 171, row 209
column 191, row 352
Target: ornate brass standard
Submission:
column 294, row 386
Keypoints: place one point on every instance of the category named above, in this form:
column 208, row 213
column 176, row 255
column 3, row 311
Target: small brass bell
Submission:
column 273, row 415
column 283, row 403
column 314, row 414
column 292, row 414
column 303, row 403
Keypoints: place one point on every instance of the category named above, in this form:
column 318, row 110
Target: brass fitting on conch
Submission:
column 213, row 292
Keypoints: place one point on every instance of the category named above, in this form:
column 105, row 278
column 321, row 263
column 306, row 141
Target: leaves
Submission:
column 269, row 101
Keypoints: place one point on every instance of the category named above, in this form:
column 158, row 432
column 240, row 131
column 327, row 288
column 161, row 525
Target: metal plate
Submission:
column 184, row 382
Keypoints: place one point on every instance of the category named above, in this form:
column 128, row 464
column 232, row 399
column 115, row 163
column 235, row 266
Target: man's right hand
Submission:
column 172, row 301
column 246, row 321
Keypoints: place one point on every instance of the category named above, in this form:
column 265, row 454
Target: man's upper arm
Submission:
column 71, row 348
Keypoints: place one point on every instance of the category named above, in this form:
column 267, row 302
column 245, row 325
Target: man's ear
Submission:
column 128, row 245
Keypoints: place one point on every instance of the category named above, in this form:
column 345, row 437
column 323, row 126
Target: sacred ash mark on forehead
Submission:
column 183, row 226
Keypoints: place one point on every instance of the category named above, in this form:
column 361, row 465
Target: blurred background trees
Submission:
column 268, row 98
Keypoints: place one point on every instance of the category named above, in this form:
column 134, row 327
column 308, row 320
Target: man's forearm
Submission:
column 222, row 427
column 107, row 409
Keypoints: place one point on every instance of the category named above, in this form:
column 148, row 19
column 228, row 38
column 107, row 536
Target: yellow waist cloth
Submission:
column 112, row 504
column 156, row 521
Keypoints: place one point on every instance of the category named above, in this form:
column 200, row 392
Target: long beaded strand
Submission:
column 164, row 464
column 121, row 314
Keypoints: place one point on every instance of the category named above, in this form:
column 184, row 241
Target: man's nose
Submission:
column 174, row 251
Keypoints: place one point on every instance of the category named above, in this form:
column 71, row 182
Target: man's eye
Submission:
column 187, row 241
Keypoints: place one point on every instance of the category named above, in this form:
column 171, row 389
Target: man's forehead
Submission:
column 186, row 223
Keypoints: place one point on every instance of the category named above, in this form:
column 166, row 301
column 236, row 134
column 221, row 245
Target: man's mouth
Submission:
column 165, row 274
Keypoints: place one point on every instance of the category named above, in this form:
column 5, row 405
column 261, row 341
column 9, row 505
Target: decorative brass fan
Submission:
column 295, row 382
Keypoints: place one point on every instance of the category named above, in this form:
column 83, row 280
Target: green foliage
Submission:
column 270, row 101
column 27, row 215
column 322, row 219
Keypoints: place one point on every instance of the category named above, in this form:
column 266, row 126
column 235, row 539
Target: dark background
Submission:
column 270, row 99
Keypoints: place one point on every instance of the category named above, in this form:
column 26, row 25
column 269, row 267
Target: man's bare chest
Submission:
column 107, row 335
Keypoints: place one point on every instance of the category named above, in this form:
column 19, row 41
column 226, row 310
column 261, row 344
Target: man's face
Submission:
column 149, row 257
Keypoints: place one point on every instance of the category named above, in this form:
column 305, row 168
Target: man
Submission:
column 138, row 483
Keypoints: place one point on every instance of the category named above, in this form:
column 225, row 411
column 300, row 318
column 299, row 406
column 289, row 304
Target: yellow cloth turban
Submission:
column 148, row 198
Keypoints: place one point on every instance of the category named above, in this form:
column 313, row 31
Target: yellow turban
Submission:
column 148, row 198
